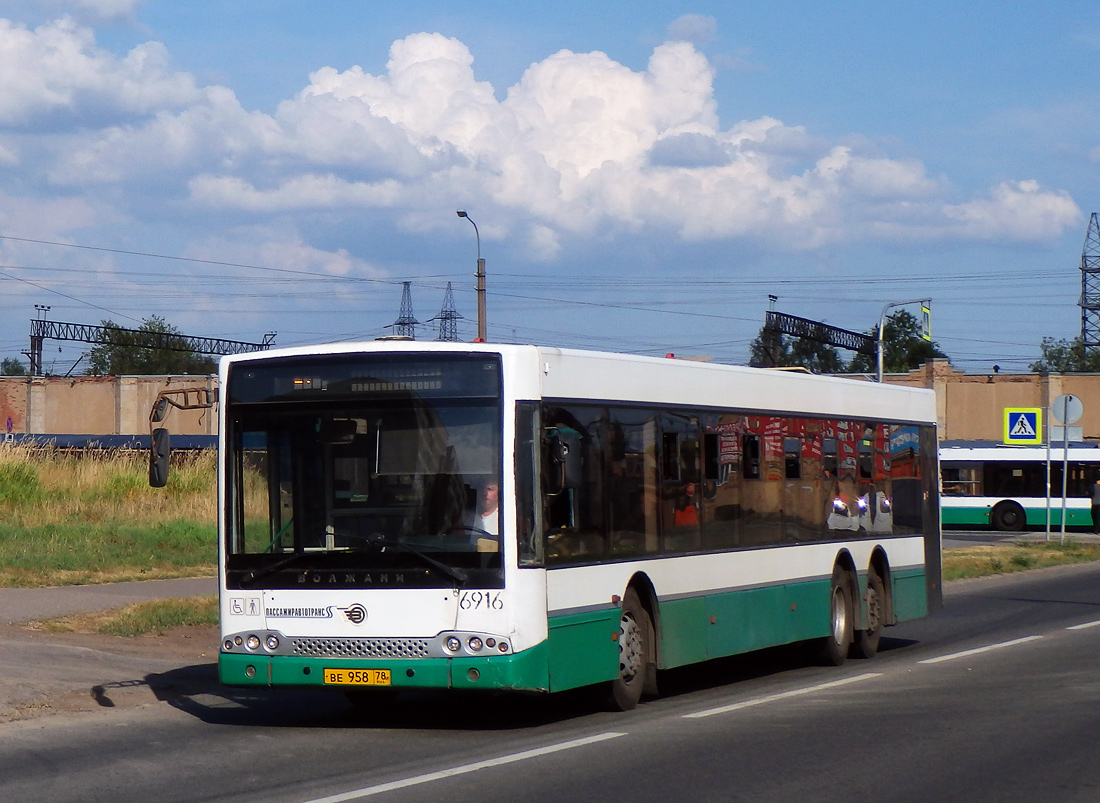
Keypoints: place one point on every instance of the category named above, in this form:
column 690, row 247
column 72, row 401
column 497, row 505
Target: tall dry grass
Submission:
column 44, row 485
column 92, row 517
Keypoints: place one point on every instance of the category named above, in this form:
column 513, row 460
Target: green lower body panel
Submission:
column 1075, row 517
column 718, row 625
column 964, row 516
column 524, row 671
column 584, row 649
column 1036, row 516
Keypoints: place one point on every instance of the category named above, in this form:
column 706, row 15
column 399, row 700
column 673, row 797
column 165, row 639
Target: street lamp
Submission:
column 879, row 345
column 480, row 274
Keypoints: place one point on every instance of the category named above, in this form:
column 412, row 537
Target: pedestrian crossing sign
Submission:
column 1023, row 425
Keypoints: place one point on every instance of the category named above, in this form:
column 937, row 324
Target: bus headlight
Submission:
column 272, row 643
column 453, row 643
column 474, row 644
column 252, row 642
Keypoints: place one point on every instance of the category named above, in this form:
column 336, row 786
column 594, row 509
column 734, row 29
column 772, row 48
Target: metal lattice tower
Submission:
column 403, row 326
column 1090, row 287
column 448, row 317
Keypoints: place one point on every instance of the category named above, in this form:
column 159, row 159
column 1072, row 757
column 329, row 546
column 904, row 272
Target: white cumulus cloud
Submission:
column 580, row 146
column 1016, row 211
column 57, row 70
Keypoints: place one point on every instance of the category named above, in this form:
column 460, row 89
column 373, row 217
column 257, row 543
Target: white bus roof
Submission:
column 545, row 372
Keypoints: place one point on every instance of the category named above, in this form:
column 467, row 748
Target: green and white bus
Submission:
column 1005, row 487
column 477, row 516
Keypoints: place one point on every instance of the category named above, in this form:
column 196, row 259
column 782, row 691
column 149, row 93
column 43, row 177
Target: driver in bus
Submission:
column 487, row 502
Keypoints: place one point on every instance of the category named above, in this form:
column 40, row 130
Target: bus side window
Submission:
column 573, row 484
column 632, row 464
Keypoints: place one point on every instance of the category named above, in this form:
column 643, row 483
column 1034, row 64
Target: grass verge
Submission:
column 89, row 552
column 144, row 618
column 76, row 518
column 985, row 559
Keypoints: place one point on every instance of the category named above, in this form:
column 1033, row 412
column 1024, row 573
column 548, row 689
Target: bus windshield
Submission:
column 365, row 477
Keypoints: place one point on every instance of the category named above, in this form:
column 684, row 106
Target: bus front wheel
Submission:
column 635, row 633
column 1008, row 516
column 834, row 647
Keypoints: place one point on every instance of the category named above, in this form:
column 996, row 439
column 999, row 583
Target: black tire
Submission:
column 866, row 641
column 635, row 649
column 1008, row 517
column 834, row 647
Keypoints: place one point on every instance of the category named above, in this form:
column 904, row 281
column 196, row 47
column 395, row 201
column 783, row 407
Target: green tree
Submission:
column 1066, row 357
column 771, row 349
column 155, row 347
column 903, row 347
column 12, row 367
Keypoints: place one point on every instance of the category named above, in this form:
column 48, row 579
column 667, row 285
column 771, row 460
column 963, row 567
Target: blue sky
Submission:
column 643, row 176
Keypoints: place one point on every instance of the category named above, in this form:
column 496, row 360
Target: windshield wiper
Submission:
column 256, row 576
column 456, row 574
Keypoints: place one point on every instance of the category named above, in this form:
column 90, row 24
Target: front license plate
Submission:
column 357, row 677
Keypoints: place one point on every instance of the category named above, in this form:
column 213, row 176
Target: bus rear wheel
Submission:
column 834, row 647
column 1008, row 516
column 866, row 641
column 635, row 633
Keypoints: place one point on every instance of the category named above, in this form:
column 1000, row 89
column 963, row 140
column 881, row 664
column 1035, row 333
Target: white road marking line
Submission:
column 554, row 748
column 1083, row 626
column 784, row 695
column 368, row 791
column 977, row 650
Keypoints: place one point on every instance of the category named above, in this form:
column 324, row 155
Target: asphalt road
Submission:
column 996, row 698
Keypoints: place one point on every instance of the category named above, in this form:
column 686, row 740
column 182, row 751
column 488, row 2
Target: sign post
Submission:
column 1066, row 410
column 1024, row 427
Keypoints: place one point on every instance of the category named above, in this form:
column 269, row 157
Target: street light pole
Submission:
column 480, row 274
column 882, row 327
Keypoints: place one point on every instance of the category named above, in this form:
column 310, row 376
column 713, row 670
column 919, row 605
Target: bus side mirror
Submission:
column 160, row 449
column 160, row 409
